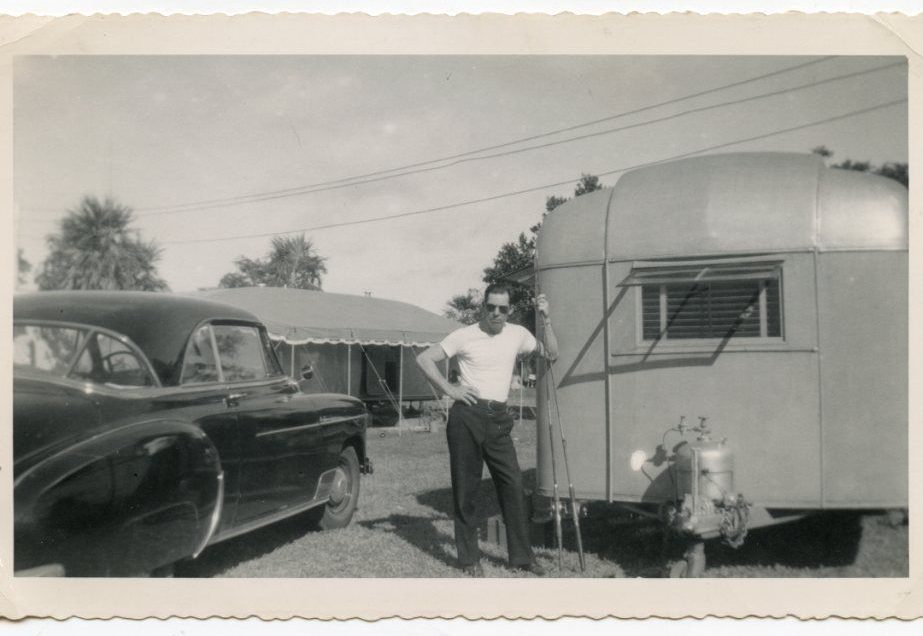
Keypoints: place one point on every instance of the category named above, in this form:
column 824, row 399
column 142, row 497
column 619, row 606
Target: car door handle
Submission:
column 234, row 399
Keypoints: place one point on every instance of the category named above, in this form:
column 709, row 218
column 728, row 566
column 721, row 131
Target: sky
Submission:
column 162, row 134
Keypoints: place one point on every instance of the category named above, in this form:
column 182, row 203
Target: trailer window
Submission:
column 714, row 302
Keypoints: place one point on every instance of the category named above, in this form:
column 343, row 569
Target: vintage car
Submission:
column 148, row 426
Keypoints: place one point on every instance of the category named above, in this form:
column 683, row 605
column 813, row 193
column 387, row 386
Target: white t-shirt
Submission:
column 485, row 362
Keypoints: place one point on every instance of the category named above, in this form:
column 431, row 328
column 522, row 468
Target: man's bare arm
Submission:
column 427, row 361
column 548, row 346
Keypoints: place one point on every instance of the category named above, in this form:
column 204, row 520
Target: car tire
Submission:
column 338, row 514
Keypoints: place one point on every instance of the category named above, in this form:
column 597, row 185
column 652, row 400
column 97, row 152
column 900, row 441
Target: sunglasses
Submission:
column 503, row 309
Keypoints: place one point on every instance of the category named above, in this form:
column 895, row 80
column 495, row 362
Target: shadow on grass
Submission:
column 825, row 539
column 223, row 556
column 633, row 543
column 828, row 539
column 420, row 532
column 440, row 499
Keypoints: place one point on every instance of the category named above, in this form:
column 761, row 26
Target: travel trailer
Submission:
column 733, row 343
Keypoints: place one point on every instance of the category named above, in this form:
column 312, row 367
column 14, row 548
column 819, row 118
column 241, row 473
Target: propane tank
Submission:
column 704, row 469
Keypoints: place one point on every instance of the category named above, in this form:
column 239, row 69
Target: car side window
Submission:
column 199, row 363
column 46, row 348
column 240, row 350
column 106, row 360
column 269, row 353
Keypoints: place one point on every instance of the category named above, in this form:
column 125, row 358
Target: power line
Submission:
column 775, row 93
column 545, row 186
column 368, row 177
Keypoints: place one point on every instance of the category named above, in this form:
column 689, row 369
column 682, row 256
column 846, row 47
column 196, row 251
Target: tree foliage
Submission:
column 511, row 258
column 23, row 267
column 900, row 172
column 465, row 308
column 291, row 262
column 95, row 248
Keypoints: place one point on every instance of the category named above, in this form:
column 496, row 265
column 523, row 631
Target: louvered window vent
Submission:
column 706, row 302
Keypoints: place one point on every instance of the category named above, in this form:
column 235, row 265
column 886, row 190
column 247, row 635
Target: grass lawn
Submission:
column 403, row 528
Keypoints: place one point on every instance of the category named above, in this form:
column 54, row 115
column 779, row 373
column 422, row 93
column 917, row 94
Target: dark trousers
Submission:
column 478, row 435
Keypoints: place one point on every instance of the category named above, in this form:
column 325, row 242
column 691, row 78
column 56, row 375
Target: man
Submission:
column 479, row 424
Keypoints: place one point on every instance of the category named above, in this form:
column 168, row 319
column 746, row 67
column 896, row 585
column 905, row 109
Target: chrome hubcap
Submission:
column 339, row 489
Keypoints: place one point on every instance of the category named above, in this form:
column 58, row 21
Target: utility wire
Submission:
column 407, row 168
column 545, row 186
column 775, row 93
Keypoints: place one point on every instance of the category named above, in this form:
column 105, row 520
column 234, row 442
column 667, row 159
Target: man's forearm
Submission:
column 432, row 373
column 549, row 340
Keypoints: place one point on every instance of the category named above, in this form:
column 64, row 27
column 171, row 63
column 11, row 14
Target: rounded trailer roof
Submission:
column 730, row 203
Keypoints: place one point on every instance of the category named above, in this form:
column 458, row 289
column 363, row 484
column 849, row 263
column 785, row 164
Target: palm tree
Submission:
column 465, row 308
column 96, row 249
column 291, row 262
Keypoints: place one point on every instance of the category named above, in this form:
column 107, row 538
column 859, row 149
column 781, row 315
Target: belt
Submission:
column 491, row 405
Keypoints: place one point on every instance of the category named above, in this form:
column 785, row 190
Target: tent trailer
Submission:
column 358, row 345
column 762, row 292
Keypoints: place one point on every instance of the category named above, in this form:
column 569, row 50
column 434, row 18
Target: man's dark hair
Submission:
column 499, row 288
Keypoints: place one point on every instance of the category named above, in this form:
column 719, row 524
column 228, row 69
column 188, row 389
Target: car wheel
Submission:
column 344, row 493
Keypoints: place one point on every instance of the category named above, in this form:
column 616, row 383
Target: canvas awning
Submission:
column 300, row 316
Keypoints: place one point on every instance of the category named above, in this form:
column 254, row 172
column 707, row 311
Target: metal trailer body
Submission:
column 816, row 414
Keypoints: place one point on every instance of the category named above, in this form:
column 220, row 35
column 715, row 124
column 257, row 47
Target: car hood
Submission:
column 47, row 416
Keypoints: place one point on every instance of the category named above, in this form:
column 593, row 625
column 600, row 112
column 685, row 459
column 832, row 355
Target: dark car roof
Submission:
column 159, row 323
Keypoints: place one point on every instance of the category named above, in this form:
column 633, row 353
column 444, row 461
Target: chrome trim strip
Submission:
column 334, row 420
column 281, row 514
column 216, row 517
column 265, row 521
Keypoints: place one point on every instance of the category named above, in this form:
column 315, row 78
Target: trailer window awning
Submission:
column 671, row 274
column 523, row 276
column 300, row 316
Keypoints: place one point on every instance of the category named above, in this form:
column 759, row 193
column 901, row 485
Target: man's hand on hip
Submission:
column 463, row 393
